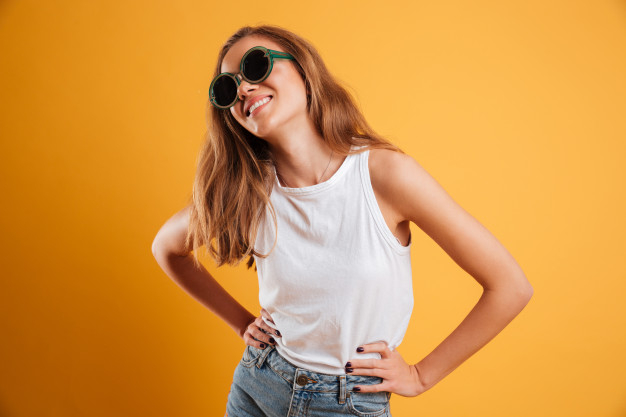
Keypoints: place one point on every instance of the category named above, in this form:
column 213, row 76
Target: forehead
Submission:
column 232, row 59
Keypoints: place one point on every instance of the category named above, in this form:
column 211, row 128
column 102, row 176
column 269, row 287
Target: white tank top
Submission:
column 337, row 278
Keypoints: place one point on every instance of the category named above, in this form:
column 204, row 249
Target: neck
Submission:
column 314, row 178
column 302, row 158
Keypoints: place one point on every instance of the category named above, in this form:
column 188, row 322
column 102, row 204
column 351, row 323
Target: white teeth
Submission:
column 257, row 104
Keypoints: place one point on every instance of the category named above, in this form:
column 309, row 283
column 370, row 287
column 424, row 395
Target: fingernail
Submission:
column 348, row 364
column 360, row 349
column 349, row 370
column 262, row 345
column 356, row 389
column 272, row 340
column 278, row 333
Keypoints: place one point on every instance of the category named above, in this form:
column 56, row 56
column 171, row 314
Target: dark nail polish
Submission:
column 262, row 345
column 348, row 364
column 360, row 349
column 272, row 340
column 278, row 333
column 349, row 370
column 356, row 389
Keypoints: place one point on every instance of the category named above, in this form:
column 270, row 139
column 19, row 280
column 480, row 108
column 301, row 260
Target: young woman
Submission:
column 292, row 177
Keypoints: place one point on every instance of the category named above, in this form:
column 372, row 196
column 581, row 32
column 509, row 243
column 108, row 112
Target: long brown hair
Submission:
column 234, row 175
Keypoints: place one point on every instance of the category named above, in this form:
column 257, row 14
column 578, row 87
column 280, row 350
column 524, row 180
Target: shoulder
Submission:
column 391, row 170
column 405, row 185
column 415, row 195
column 382, row 159
column 390, row 173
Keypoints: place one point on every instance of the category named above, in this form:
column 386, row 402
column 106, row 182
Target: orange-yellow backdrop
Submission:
column 517, row 108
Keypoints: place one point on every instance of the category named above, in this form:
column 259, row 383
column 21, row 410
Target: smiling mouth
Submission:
column 262, row 102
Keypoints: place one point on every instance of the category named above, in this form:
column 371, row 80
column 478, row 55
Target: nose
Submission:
column 244, row 88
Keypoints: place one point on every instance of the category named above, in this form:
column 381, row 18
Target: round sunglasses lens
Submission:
column 225, row 90
column 256, row 65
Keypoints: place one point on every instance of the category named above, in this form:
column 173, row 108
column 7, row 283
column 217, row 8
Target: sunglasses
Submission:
column 256, row 65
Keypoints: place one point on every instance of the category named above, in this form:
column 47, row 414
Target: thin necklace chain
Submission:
column 318, row 181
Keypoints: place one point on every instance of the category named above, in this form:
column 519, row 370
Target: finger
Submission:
column 253, row 342
column 364, row 363
column 263, row 325
column 377, row 347
column 258, row 322
column 260, row 334
column 378, row 372
column 383, row 386
column 266, row 314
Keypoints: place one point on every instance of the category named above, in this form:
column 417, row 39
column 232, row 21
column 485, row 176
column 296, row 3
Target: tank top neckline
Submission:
column 311, row 189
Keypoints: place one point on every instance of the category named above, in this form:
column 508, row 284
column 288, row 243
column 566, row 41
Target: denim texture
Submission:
column 266, row 385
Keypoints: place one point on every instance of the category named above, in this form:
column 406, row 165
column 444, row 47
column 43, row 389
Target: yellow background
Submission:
column 516, row 107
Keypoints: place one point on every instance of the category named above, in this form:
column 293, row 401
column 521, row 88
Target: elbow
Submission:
column 525, row 289
column 156, row 248
column 517, row 292
column 530, row 291
column 526, row 293
column 523, row 293
column 162, row 249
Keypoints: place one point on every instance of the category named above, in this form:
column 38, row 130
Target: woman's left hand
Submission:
column 398, row 376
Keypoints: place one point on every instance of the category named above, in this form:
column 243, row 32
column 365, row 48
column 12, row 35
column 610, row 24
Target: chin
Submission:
column 266, row 128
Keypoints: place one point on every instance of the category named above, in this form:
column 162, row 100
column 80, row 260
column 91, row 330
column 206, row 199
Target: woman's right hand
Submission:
column 258, row 333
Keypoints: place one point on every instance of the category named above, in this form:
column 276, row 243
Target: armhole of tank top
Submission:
column 374, row 208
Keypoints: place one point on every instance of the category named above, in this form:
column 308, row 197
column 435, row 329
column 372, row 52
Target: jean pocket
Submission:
column 369, row 404
column 250, row 356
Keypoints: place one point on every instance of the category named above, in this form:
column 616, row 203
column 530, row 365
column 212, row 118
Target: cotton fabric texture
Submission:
column 338, row 278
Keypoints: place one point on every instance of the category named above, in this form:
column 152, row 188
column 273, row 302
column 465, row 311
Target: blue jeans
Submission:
column 266, row 385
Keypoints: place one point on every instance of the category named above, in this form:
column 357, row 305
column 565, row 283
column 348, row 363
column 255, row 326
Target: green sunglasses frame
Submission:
column 268, row 52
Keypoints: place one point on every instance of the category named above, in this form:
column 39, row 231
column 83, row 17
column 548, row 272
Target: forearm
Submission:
column 493, row 311
column 199, row 283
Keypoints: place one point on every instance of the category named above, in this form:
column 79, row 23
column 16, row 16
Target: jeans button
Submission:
column 302, row 380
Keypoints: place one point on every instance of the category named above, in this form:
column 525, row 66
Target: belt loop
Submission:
column 342, row 389
column 263, row 356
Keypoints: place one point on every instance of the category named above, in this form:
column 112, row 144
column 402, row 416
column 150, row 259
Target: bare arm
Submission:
column 176, row 261
column 494, row 310
column 417, row 197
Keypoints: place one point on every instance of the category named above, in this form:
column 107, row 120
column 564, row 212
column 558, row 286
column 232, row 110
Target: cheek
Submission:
column 290, row 82
column 297, row 93
column 239, row 118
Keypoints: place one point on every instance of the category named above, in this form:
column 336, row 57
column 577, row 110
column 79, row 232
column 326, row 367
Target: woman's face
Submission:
column 285, row 87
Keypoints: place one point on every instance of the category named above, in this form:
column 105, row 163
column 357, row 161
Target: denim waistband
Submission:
column 306, row 380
